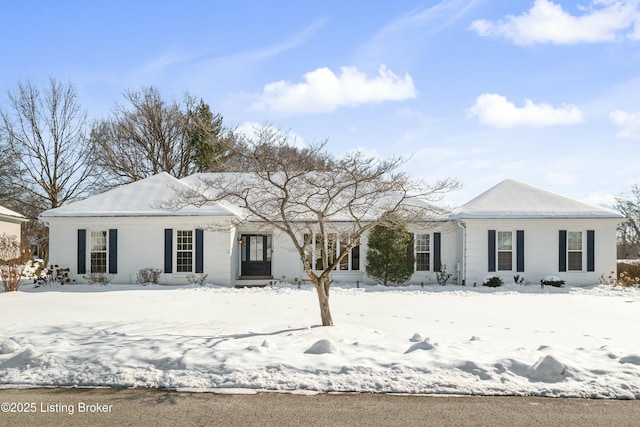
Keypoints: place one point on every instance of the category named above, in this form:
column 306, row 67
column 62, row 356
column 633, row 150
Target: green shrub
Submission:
column 390, row 256
column 492, row 281
column 552, row 281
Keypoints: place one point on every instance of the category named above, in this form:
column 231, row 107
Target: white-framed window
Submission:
column 98, row 252
column 422, row 244
column 574, row 250
column 316, row 245
column 184, row 251
column 505, row 250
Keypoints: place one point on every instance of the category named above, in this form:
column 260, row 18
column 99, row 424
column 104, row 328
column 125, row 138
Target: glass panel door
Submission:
column 256, row 255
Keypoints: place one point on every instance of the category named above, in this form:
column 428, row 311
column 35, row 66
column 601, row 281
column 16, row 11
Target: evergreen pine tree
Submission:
column 390, row 256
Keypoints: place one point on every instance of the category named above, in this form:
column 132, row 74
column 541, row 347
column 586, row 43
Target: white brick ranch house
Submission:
column 510, row 229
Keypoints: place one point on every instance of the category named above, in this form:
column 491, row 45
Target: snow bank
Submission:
column 505, row 341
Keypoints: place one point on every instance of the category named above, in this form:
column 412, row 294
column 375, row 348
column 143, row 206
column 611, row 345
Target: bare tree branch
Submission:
column 308, row 192
column 629, row 231
column 46, row 134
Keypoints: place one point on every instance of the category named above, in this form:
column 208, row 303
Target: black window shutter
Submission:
column 168, row 250
column 199, row 251
column 591, row 253
column 82, row 251
column 437, row 252
column 520, row 251
column 492, row 250
column 113, row 251
column 562, row 250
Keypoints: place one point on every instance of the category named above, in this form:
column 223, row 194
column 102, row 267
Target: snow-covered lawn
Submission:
column 513, row 340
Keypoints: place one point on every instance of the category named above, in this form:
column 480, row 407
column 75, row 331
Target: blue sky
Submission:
column 541, row 91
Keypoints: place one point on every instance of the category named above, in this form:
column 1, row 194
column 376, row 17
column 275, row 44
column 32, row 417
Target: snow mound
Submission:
column 424, row 345
column 9, row 346
column 321, row 347
column 416, row 337
column 255, row 348
column 548, row 369
column 632, row 358
column 474, row 338
column 268, row 344
column 474, row 369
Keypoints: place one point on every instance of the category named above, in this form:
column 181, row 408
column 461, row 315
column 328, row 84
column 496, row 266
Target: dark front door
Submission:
column 256, row 255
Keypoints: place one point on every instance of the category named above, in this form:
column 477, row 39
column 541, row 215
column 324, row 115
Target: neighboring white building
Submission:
column 11, row 222
column 511, row 229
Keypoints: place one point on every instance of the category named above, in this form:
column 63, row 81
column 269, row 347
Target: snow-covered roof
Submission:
column 513, row 199
column 508, row 199
column 8, row 213
column 205, row 183
column 139, row 198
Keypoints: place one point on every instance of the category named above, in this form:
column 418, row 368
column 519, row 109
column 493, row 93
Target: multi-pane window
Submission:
column 355, row 258
column 184, row 251
column 422, row 252
column 319, row 251
column 315, row 247
column 505, row 251
column 98, row 255
column 308, row 248
column 574, row 250
column 332, row 247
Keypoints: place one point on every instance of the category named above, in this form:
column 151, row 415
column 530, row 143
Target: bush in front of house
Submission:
column 442, row 276
column 628, row 275
column 197, row 279
column 552, row 281
column 390, row 257
column 492, row 281
column 99, row 278
column 148, row 276
column 14, row 259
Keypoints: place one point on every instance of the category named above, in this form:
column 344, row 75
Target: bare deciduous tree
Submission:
column 8, row 173
column 148, row 135
column 145, row 136
column 272, row 145
column 290, row 194
column 629, row 231
column 46, row 134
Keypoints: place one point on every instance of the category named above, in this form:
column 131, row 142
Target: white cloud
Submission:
column 495, row 110
column 547, row 22
column 629, row 123
column 323, row 91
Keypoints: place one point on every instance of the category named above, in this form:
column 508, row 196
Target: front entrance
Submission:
column 256, row 255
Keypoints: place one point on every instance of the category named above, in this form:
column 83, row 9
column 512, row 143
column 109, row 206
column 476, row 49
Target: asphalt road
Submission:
column 143, row 407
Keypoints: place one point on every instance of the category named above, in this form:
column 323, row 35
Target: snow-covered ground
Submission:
column 513, row 340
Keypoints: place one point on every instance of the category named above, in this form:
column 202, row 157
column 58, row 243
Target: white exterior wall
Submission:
column 10, row 227
column 541, row 248
column 141, row 245
column 448, row 254
column 286, row 264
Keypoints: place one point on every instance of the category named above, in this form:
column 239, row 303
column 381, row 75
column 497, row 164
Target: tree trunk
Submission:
column 322, row 286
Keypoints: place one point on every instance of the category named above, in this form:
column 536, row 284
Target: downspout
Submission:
column 462, row 274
